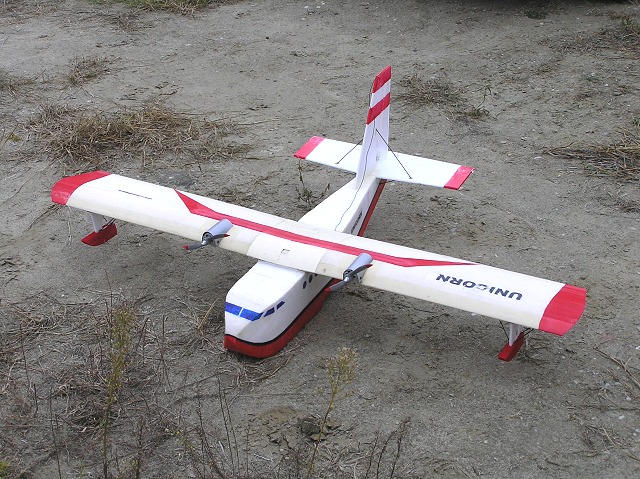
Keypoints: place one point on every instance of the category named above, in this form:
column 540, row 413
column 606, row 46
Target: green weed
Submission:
column 121, row 323
column 341, row 370
column 5, row 469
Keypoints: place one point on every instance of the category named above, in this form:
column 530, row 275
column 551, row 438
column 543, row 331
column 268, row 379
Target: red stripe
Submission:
column 308, row 147
column 378, row 108
column 264, row 350
column 381, row 78
column 63, row 189
column 564, row 310
column 459, row 177
column 373, row 204
column 202, row 210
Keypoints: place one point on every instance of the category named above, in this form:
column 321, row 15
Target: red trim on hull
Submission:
column 459, row 177
column 63, row 189
column 264, row 350
column 306, row 149
column 373, row 204
column 199, row 209
column 564, row 310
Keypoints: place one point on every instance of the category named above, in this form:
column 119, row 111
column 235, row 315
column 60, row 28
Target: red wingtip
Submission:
column 459, row 177
column 564, row 310
column 308, row 147
column 63, row 189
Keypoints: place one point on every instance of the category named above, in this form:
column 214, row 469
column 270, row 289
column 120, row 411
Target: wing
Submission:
column 517, row 298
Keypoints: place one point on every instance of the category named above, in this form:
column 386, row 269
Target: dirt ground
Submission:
column 111, row 359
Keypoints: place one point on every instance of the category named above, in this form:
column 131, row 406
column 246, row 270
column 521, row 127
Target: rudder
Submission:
column 376, row 133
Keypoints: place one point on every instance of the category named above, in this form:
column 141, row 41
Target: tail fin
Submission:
column 374, row 157
column 375, row 143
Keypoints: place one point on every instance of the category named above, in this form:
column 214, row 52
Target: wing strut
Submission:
column 103, row 230
column 516, row 340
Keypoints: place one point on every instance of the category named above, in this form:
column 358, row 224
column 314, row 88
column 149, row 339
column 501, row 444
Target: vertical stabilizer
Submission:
column 376, row 133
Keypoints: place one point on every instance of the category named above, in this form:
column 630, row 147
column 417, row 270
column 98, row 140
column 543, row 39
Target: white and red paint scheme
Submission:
column 298, row 260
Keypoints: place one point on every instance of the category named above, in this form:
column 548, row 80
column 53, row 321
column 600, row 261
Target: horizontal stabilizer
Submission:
column 394, row 167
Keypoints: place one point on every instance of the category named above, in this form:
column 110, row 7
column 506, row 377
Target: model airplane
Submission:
column 302, row 262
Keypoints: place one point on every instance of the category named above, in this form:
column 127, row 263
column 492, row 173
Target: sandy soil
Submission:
column 429, row 397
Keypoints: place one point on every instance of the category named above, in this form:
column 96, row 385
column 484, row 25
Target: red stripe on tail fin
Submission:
column 374, row 111
column 381, row 78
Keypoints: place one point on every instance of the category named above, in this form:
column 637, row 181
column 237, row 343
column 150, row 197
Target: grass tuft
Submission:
column 11, row 84
column 78, row 138
column 419, row 92
column 87, row 69
column 441, row 93
column 620, row 160
column 624, row 37
column 184, row 7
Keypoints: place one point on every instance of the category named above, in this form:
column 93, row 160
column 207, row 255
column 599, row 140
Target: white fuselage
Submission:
column 271, row 303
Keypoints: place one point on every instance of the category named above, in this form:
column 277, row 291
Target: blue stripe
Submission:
column 232, row 308
column 247, row 313
column 250, row 315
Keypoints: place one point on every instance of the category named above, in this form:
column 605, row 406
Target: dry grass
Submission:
column 439, row 93
column 624, row 37
column 10, row 84
column 127, row 21
column 419, row 92
column 627, row 205
column 78, row 138
column 87, row 69
column 184, row 7
column 620, row 160
column 101, row 386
